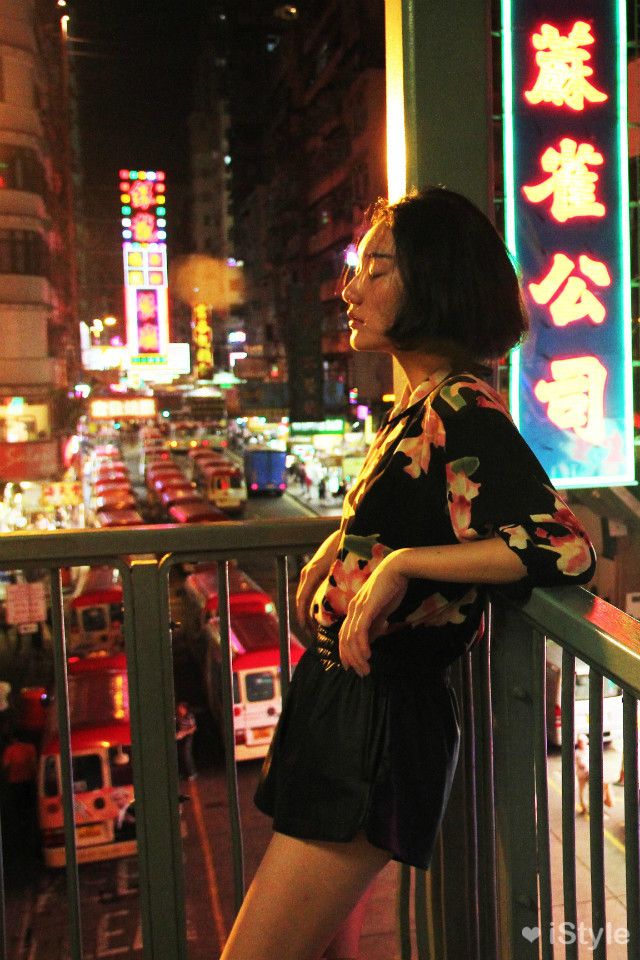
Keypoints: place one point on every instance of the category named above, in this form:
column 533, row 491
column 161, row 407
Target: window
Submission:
column 20, row 168
column 23, row 252
column 50, row 778
column 94, row 618
column 260, row 686
column 87, row 773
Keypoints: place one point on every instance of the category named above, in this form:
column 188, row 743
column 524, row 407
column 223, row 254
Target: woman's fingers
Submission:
column 304, row 595
column 355, row 649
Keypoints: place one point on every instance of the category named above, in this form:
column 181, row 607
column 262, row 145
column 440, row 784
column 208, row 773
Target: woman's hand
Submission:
column 368, row 611
column 311, row 576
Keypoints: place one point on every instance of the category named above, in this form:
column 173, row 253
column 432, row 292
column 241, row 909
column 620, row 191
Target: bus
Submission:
column 255, row 651
column 265, row 470
column 118, row 517
column 224, row 486
column 101, row 766
column 611, row 700
column 95, row 621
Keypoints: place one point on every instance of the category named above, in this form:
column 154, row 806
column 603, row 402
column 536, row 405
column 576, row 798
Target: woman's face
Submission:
column 374, row 293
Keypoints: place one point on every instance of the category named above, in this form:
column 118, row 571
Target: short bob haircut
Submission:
column 461, row 291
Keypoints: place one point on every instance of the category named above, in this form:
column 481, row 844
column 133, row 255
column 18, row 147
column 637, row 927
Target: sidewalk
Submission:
column 329, row 507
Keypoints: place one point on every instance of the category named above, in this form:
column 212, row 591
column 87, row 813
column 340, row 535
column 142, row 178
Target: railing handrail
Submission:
column 69, row 547
column 591, row 629
column 586, row 626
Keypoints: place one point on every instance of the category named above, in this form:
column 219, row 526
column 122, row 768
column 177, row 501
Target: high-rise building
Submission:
column 307, row 148
column 37, row 272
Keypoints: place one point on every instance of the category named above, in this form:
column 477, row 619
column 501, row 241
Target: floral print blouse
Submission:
column 449, row 465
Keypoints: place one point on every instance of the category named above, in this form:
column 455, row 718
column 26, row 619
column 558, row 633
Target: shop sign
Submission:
column 567, row 225
column 129, row 409
column 63, row 493
column 306, row 428
column 26, row 603
column 35, row 460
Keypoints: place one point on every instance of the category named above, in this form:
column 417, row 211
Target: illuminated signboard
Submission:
column 132, row 408
column 202, row 342
column 304, row 428
column 566, row 195
column 144, row 250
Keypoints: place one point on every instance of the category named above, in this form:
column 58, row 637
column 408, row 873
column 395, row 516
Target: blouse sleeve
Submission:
column 497, row 487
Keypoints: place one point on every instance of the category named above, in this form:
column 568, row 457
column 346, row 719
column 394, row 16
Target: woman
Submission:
column 449, row 501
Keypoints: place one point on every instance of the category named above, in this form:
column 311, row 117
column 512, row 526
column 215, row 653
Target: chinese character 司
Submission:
column 562, row 79
column 575, row 301
column 572, row 184
column 575, row 397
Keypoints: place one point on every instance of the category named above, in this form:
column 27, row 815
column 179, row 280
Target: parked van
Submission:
column 611, row 707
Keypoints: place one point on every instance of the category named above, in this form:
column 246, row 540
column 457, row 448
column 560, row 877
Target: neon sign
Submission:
column 143, row 209
column 566, row 194
column 202, row 341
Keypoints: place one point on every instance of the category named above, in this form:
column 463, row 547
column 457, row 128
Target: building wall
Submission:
column 25, row 295
column 308, row 159
column 37, row 277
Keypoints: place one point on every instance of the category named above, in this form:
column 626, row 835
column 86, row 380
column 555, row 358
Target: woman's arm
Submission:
column 478, row 561
column 312, row 575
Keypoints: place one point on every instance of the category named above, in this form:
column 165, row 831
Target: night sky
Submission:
column 133, row 63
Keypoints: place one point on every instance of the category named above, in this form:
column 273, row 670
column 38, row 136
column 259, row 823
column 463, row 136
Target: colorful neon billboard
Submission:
column 566, row 193
column 144, row 250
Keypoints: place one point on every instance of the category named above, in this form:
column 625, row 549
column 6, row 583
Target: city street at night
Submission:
column 319, row 440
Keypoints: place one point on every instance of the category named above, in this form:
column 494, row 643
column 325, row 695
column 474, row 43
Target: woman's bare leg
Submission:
column 345, row 943
column 301, row 893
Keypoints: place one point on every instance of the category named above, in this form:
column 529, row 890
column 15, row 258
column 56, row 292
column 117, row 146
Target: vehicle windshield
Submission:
column 94, row 618
column 260, row 686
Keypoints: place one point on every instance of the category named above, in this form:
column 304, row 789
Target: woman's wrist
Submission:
column 400, row 562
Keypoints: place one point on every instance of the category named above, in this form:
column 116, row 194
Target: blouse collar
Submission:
column 410, row 397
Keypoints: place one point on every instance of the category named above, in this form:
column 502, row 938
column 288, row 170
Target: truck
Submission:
column 265, row 471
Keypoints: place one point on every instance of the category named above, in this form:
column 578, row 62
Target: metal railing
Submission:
column 491, row 876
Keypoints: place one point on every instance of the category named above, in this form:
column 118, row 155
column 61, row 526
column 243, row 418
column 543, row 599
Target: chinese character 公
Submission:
column 575, row 301
column 575, row 396
column 571, row 183
column 562, row 79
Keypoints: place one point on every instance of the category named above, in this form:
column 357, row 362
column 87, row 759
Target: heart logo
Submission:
column 531, row 933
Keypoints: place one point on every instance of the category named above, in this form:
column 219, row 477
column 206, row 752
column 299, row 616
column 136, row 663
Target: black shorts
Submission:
column 375, row 754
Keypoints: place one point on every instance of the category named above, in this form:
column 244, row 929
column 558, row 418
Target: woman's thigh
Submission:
column 301, row 893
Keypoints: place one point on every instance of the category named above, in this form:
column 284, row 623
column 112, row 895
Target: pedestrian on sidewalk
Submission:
column 19, row 768
column 185, row 728
column 582, row 775
column 449, row 502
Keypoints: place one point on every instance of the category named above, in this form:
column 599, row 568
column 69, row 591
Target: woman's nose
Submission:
column 349, row 291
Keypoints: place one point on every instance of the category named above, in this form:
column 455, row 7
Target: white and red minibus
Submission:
column 101, row 766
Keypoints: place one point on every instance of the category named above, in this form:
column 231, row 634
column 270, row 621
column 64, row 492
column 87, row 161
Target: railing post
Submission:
column 513, row 712
column 149, row 662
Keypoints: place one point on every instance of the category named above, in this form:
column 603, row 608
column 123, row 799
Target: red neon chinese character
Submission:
column 141, row 194
column 575, row 396
column 148, row 338
column 575, row 301
column 571, row 183
column 143, row 227
column 147, row 305
column 562, row 80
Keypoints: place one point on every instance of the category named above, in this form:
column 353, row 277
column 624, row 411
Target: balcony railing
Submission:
column 488, row 895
